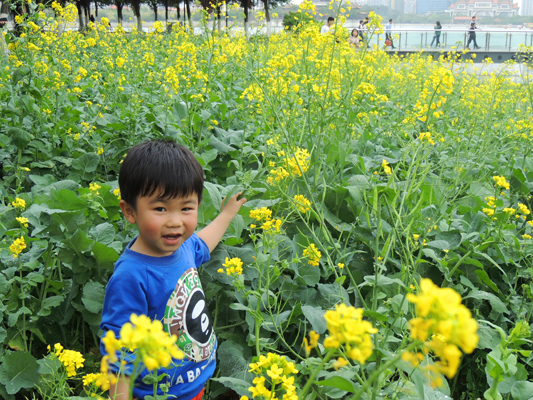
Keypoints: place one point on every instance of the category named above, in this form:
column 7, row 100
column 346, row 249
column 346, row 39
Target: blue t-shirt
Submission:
column 168, row 289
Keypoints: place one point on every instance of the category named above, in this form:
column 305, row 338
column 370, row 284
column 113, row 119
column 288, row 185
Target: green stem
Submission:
column 257, row 328
column 376, row 374
column 313, row 375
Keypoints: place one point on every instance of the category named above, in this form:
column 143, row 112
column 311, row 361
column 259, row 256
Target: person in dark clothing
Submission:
column 91, row 18
column 438, row 28
column 472, row 34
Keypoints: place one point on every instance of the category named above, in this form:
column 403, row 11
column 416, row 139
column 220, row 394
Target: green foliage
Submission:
column 294, row 21
column 244, row 108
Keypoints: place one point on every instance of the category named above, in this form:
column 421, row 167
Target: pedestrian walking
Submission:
column 326, row 28
column 438, row 28
column 388, row 34
column 362, row 29
column 472, row 34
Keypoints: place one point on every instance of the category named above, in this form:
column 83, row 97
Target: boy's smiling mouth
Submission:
column 172, row 239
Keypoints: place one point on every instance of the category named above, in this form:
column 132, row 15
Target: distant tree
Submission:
column 246, row 5
column 166, row 4
column 213, row 6
column 268, row 5
column 136, row 6
column 188, row 7
column 153, row 5
column 294, row 20
column 120, row 5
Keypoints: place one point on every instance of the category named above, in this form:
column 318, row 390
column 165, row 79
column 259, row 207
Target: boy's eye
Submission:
column 160, row 209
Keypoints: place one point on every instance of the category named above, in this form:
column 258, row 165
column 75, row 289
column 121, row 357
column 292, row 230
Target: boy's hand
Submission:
column 212, row 233
column 233, row 206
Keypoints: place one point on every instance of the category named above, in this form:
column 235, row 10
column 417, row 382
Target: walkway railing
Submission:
column 487, row 39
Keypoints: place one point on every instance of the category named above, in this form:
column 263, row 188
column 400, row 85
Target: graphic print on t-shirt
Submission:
column 186, row 316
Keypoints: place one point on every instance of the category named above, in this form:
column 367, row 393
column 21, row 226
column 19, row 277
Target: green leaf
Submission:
column 439, row 244
column 495, row 302
column 80, row 242
column 105, row 256
column 383, row 281
column 522, row 390
column 48, row 366
column 376, row 315
column 239, row 385
column 86, row 163
column 453, row 238
column 67, row 200
column 315, row 316
column 214, row 194
column 484, row 277
column 181, row 110
column 239, row 306
column 220, row 146
column 231, row 358
column 4, row 395
column 13, row 318
column 339, row 383
column 5, row 286
column 48, row 304
column 93, row 296
column 20, row 137
column 309, row 275
column 19, row 370
column 103, row 233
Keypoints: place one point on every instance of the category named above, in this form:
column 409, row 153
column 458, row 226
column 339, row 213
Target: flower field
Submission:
column 385, row 251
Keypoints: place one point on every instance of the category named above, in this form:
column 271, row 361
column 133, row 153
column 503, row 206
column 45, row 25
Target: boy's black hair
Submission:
column 163, row 166
column 331, row 19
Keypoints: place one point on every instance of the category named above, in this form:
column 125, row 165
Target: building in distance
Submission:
column 484, row 7
column 527, row 7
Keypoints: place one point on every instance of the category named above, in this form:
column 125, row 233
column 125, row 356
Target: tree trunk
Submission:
column 80, row 16
column 119, row 6
column 246, row 15
column 219, row 25
column 137, row 13
column 267, row 15
column 178, row 12
column 96, row 8
column 188, row 12
column 4, row 10
column 166, row 11
column 155, row 11
column 87, row 11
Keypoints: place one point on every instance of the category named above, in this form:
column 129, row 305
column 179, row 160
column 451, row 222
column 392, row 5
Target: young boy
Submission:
column 161, row 186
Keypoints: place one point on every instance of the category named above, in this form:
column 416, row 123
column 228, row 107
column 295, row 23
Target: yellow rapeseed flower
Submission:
column 23, row 221
column 501, row 182
column 233, row 266
column 18, row 246
column 386, row 167
column 301, row 203
column 346, row 327
column 72, row 360
column 19, row 203
column 261, row 214
column 444, row 325
column 313, row 254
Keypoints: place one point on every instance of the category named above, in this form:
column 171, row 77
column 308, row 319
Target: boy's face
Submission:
column 164, row 224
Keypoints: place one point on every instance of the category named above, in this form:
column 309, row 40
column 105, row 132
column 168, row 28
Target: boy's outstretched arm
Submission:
column 212, row 233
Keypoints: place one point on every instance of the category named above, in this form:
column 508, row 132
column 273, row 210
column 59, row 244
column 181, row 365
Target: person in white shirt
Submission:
column 326, row 28
column 388, row 33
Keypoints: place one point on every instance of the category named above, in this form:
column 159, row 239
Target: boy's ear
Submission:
column 128, row 210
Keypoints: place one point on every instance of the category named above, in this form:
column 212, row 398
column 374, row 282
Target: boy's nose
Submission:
column 175, row 220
